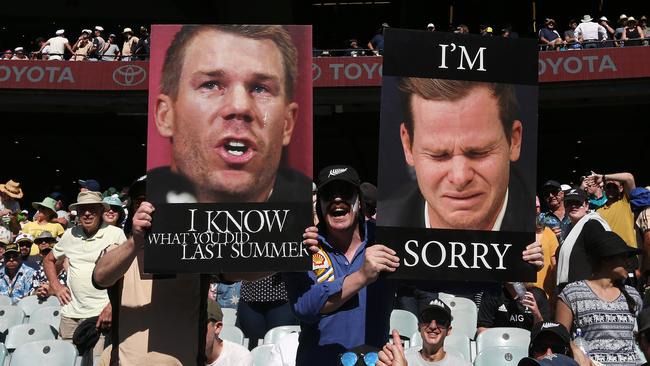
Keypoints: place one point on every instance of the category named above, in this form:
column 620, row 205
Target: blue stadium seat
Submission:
column 229, row 316
column 50, row 315
column 30, row 303
column 262, row 355
column 50, row 353
column 10, row 316
column 465, row 316
column 5, row 300
column 405, row 322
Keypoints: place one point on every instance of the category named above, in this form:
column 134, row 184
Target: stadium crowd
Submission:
column 592, row 267
column 91, row 45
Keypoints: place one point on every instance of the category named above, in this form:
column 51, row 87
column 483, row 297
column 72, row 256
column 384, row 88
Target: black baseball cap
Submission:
column 576, row 194
column 558, row 330
column 333, row 173
column 610, row 244
column 436, row 305
column 550, row 360
column 551, row 184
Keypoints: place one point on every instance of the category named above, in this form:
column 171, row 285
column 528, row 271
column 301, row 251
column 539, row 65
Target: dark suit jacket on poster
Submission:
column 290, row 185
column 405, row 208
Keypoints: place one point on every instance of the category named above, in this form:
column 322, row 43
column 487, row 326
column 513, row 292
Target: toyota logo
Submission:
column 129, row 75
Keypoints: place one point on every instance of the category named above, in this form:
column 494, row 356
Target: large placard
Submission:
column 458, row 142
column 229, row 154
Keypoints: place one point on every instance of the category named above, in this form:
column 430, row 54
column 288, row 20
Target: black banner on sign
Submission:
column 215, row 238
column 459, row 255
column 460, row 57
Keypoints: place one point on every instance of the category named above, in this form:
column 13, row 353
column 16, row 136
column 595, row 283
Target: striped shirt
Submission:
column 606, row 326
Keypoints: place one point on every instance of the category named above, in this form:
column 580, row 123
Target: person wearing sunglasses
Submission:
column 16, row 279
column 341, row 304
column 434, row 325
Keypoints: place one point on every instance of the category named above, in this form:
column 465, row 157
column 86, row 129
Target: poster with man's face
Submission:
column 458, row 142
column 229, row 148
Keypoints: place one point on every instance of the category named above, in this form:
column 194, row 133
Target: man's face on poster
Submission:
column 231, row 117
column 461, row 157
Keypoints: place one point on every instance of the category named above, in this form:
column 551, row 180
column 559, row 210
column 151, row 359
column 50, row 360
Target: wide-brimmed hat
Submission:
column 609, row 244
column 587, row 18
column 48, row 202
column 45, row 236
column 127, row 30
column 22, row 237
column 89, row 198
column 60, row 32
column 631, row 20
column 12, row 189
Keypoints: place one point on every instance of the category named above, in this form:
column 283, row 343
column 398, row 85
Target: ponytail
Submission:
column 631, row 303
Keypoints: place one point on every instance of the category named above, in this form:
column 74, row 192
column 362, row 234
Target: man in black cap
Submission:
column 339, row 303
column 15, row 276
column 555, row 217
column 572, row 259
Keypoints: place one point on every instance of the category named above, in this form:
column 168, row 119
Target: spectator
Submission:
column 546, row 276
column 19, row 54
column 10, row 193
column 114, row 215
column 572, row 259
column 129, row 45
column 570, row 39
column 643, row 23
column 462, row 29
column 376, row 44
column 25, row 242
column 548, row 36
column 15, row 277
column 547, row 338
column 551, row 360
column 44, row 50
column 604, row 22
column 45, row 242
column 89, row 185
column 487, row 31
column 99, row 45
column 354, row 50
column 431, row 27
column 112, row 52
column 617, row 210
column 434, row 327
column 516, row 306
column 222, row 352
column 597, row 198
column 142, row 48
column 590, row 34
column 507, row 32
column 57, row 46
column 555, row 217
column 602, row 306
column 82, row 245
column 45, row 215
column 82, row 47
column 62, row 216
column 640, row 201
column 618, row 33
column 8, row 55
column 632, row 34
column 333, row 301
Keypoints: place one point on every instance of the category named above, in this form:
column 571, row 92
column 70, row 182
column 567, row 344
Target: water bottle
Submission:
column 581, row 342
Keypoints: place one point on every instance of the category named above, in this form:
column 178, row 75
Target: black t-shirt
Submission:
column 502, row 310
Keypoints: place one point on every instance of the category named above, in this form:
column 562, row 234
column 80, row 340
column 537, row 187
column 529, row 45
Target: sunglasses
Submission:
column 441, row 322
column 9, row 258
column 351, row 358
column 555, row 348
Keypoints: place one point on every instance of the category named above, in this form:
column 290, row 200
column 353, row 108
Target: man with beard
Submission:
column 340, row 304
column 82, row 245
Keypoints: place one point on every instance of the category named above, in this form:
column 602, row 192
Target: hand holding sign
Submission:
column 141, row 223
column 378, row 258
column 534, row 254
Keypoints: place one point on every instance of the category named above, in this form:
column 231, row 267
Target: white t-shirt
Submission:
column 233, row 354
column 414, row 359
column 57, row 47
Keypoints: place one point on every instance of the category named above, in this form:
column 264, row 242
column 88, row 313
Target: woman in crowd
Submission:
column 115, row 213
column 602, row 306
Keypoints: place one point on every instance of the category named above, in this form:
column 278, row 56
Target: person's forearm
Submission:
column 114, row 264
column 49, row 266
column 352, row 284
column 626, row 179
